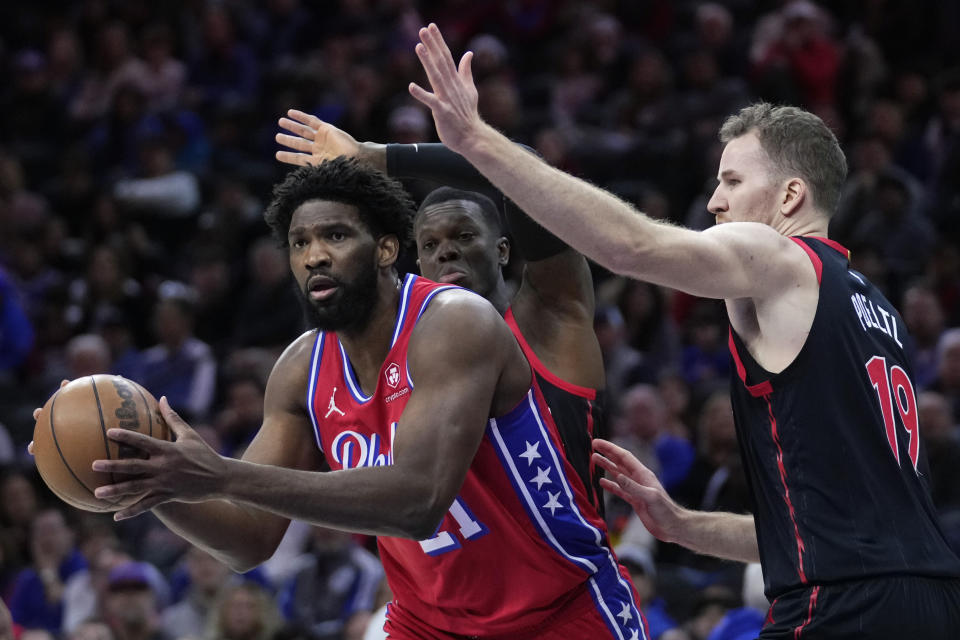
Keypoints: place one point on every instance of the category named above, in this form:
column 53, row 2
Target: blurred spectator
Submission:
column 705, row 361
column 91, row 629
column 125, row 359
column 19, row 505
column 225, row 71
column 795, row 58
column 130, row 603
column 269, row 312
column 716, row 481
column 940, row 436
column 37, row 599
column 106, row 289
column 87, row 355
column 642, row 429
column 624, row 366
column 114, row 65
column 180, row 367
column 162, row 190
column 242, row 413
column 208, row 579
column 246, row 612
column 925, row 321
column 947, row 382
column 165, row 76
column 8, row 630
column 16, row 334
column 333, row 595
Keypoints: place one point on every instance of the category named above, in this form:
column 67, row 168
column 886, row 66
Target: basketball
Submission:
column 71, row 432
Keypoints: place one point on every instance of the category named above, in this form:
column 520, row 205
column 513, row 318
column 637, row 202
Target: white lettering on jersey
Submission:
column 867, row 314
column 352, row 449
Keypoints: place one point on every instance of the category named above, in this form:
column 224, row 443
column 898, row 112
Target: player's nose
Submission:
column 448, row 251
column 717, row 203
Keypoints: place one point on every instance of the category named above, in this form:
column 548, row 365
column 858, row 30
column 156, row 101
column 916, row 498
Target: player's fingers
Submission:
column 141, row 506
column 617, row 490
column 297, row 128
column 436, row 58
column 135, row 439
column 308, row 119
column 294, row 142
column 299, row 159
column 127, row 466
column 428, row 99
column 605, row 463
column 466, row 67
column 121, row 489
column 177, row 424
column 627, row 462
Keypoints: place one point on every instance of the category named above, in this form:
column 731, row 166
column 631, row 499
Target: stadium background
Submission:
column 136, row 155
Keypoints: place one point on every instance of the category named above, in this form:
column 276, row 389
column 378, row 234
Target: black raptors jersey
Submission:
column 832, row 446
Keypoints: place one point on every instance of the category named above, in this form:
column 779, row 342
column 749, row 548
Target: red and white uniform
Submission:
column 521, row 546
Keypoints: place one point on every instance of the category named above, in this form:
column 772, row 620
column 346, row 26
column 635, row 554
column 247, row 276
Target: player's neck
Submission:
column 368, row 347
column 500, row 296
column 806, row 225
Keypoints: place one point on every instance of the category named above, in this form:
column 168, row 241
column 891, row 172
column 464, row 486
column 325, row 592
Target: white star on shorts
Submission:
column 625, row 614
column 531, row 453
column 543, row 477
column 552, row 503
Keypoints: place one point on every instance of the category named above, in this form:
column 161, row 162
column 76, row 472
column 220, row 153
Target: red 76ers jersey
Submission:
column 521, row 536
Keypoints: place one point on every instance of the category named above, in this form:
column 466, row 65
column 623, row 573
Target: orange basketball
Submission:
column 71, row 432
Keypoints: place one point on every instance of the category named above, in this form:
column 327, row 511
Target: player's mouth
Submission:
column 452, row 277
column 320, row 288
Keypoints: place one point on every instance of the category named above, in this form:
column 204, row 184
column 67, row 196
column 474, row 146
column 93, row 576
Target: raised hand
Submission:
column 454, row 98
column 186, row 470
column 313, row 140
column 629, row 479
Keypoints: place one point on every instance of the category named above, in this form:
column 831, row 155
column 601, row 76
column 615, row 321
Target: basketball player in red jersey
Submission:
column 825, row 409
column 420, row 400
column 459, row 237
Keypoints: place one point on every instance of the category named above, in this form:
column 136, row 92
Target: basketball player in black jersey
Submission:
column 459, row 238
column 823, row 396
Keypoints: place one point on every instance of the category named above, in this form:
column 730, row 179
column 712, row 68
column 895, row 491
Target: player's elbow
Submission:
column 424, row 515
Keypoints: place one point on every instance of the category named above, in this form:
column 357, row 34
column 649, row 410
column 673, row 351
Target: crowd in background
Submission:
column 136, row 156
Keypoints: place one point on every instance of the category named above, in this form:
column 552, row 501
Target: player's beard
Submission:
column 350, row 308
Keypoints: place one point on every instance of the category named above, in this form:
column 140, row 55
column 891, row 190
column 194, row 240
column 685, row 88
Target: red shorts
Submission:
column 576, row 620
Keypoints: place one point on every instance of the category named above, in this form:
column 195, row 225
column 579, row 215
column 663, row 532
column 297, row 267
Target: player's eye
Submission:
column 428, row 245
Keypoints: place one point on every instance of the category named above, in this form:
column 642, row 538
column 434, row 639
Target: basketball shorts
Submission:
column 891, row 608
column 580, row 619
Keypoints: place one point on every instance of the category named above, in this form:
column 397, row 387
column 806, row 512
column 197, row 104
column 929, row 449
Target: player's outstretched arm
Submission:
column 725, row 535
column 593, row 221
column 457, row 373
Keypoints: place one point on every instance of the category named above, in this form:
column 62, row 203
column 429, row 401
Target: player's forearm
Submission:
column 724, row 535
column 376, row 500
column 594, row 222
column 234, row 534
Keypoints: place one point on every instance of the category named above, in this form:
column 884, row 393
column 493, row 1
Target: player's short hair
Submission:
column 384, row 206
column 491, row 214
column 798, row 143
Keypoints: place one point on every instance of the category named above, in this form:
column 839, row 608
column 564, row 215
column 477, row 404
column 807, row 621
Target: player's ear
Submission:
column 793, row 194
column 503, row 251
column 388, row 248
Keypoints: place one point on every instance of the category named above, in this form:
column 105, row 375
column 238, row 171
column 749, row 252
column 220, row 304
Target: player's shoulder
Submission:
column 296, row 357
column 461, row 313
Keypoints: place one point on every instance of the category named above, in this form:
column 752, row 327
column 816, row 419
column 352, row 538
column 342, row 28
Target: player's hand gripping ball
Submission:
column 71, row 432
